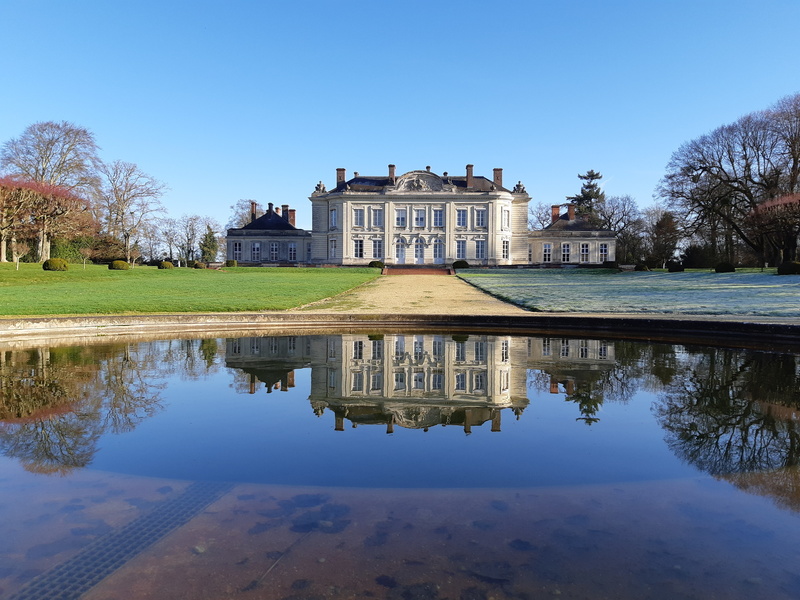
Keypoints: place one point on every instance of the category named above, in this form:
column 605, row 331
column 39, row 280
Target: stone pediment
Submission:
column 421, row 181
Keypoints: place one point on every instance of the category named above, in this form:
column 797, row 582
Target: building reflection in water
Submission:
column 418, row 381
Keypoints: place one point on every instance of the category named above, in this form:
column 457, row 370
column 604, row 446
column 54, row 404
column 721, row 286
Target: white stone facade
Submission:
column 420, row 218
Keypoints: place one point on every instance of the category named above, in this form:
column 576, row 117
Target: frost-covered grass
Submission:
column 749, row 292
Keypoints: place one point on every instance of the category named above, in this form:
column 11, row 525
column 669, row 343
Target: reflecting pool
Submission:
column 400, row 466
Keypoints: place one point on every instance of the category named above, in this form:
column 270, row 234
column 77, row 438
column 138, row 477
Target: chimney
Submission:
column 340, row 177
column 253, row 206
column 270, row 208
column 291, row 216
column 285, row 211
column 571, row 212
column 470, row 181
column 391, row 173
column 555, row 212
column 498, row 177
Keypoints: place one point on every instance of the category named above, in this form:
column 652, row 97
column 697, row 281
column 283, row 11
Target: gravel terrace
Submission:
column 415, row 294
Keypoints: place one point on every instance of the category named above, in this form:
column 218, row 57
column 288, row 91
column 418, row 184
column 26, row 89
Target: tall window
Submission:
column 583, row 349
column 461, row 248
column 377, row 217
column 377, row 349
column 546, row 347
column 255, row 251
column 237, row 250
column 358, row 350
column 334, row 219
column 377, row 248
column 584, row 252
column 400, row 217
column 547, row 252
column 399, row 348
column 480, row 351
column 419, row 250
column 358, row 381
column 565, row 252
column 419, row 347
column 461, row 382
column 273, row 250
column 438, row 348
column 437, row 380
column 438, row 217
column 480, row 218
column 419, row 380
column 377, row 380
column 461, row 217
column 438, row 249
column 332, row 249
column 564, row 347
column 419, row 217
column 292, row 247
column 399, row 381
column 603, row 252
column 479, row 381
column 358, row 248
column 461, row 351
column 480, row 249
column 358, row 217
column 504, row 351
column 506, row 248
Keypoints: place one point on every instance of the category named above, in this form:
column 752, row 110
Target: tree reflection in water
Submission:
column 55, row 404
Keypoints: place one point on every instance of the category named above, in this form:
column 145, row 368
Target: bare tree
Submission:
column 130, row 198
column 242, row 213
column 622, row 215
column 61, row 154
column 189, row 231
column 168, row 230
column 539, row 216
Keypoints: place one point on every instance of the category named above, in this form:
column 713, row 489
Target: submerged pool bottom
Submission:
column 686, row 538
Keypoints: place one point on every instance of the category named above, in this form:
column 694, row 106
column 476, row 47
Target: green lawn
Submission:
column 97, row 290
column 696, row 292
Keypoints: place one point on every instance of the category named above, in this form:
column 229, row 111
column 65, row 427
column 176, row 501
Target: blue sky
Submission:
column 244, row 99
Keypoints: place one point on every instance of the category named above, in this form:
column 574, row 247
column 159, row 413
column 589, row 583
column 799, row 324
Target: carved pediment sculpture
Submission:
column 420, row 181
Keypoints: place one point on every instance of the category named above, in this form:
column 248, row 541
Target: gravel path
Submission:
column 415, row 294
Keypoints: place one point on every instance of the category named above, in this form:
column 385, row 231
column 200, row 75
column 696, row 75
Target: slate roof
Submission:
column 270, row 221
column 577, row 224
column 365, row 183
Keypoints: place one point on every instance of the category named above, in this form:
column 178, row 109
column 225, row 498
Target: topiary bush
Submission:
column 231, row 263
column 118, row 265
column 725, row 267
column 789, row 268
column 199, row 265
column 55, row 264
column 376, row 264
column 674, row 267
column 165, row 264
column 641, row 267
column 461, row 264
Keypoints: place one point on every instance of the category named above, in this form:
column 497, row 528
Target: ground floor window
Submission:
column 293, row 251
column 419, row 250
column 461, row 382
column 358, row 248
column 358, row 381
column 377, row 249
column 332, row 249
column 461, row 248
column 255, row 252
column 565, row 252
column 237, row 250
column 584, row 252
column 506, row 248
column 480, row 249
column 547, row 253
column 438, row 250
column 273, row 250
column 603, row 252
column 377, row 381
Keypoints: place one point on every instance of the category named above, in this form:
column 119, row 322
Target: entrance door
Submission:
column 400, row 253
column 419, row 252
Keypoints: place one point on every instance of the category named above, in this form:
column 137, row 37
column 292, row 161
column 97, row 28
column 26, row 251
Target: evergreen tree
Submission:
column 590, row 195
column 209, row 245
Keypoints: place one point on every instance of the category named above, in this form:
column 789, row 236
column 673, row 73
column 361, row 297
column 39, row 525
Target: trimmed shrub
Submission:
column 789, row 268
column 165, row 264
column 641, row 267
column 232, row 263
column 674, row 267
column 610, row 264
column 461, row 264
column 55, row 264
column 376, row 264
column 199, row 265
column 118, row 265
column 725, row 267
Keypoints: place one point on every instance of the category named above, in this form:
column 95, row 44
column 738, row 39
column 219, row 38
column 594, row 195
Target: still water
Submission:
column 453, row 466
